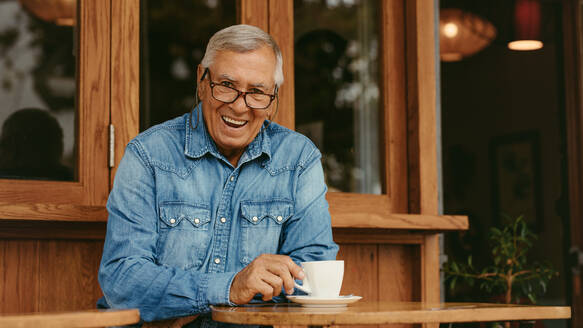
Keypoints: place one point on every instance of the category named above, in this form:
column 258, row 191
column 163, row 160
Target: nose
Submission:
column 239, row 105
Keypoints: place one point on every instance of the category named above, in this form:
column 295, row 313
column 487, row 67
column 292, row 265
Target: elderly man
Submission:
column 220, row 205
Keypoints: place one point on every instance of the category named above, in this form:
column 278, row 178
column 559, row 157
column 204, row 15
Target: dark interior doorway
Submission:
column 504, row 145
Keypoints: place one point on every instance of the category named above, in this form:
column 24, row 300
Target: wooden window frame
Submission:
column 408, row 145
column 84, row 199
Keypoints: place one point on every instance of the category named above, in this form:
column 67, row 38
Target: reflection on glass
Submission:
column 37, row 91
column 174, row 38
column 337, row 90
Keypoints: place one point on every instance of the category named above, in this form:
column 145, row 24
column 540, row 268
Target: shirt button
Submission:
column 279, row 218
column 223, row 220
column 232, row 178
column 172, row 221
column 197, row 221
column 254, row 219
column 217, row 260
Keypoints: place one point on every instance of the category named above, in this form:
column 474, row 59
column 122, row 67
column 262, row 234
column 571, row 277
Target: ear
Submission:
column 201, row 87
column 199, row 73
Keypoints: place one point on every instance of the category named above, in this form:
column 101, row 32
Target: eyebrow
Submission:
column 232, row 79
column 228, row 77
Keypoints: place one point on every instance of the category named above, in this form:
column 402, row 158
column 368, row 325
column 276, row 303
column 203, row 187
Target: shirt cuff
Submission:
column 219, row 289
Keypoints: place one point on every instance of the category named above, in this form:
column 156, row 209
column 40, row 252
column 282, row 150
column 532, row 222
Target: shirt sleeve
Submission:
column 307, row 236
column 129, row 274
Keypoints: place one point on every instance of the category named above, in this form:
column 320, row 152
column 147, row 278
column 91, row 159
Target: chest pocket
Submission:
column 261, row 225
column 184, row 234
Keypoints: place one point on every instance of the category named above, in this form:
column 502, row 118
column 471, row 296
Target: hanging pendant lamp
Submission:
column 462, row 34
column 527, row 26
column 60, row 12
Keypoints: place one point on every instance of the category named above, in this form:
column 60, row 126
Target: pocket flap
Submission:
column 278, row 210
column 174, row 213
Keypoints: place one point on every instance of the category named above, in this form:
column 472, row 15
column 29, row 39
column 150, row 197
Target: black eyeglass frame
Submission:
column 239, row 93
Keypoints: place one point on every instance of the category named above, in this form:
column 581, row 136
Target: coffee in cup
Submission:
column 323, row 279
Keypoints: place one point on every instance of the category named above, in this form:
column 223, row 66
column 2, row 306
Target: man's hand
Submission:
column 265, row 275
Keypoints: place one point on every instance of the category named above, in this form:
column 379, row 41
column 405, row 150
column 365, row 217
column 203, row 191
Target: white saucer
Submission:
column 339, row 301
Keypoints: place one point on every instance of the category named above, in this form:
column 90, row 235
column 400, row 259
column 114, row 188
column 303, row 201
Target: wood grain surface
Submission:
column 393, row 118
column 19, row 280
column 254, row 12
column 52, row 212
column 49, row 275
column 89, row 318
column 68, row 275
column 94, row 100
column 371, row 313
column 125, row 75
column 281, row 27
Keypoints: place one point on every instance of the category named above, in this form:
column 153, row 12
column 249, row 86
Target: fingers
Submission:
column 266, row 275
column 272, row 286
column 296, row 270
column 281, row 270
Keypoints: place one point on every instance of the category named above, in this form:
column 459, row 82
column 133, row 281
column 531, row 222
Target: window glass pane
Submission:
column 37, row 91
column 337, row 90
column 174, row 38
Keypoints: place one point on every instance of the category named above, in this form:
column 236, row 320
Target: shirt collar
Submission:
column 198, row 142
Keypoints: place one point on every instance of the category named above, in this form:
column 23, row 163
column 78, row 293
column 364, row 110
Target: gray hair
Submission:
column 243, row 38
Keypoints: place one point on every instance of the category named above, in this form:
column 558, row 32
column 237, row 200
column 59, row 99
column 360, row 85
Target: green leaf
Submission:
column 452, row 283
column 543, row 285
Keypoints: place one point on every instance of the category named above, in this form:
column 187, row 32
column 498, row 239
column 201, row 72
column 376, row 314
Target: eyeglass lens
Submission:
column 229, row 95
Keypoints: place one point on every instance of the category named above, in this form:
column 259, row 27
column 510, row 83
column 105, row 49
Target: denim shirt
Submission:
column 183, row 221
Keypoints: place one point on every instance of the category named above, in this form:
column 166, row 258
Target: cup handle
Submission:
column 305, row 287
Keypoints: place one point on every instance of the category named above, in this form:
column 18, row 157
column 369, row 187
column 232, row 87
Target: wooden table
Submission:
column 374, row 313
column 90, row 318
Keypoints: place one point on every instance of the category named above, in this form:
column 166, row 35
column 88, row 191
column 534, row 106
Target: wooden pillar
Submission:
column 125, row 75
column 281, row 27
column 422, row 127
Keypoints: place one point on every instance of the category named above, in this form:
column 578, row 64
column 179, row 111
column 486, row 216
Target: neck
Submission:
column 233, row 156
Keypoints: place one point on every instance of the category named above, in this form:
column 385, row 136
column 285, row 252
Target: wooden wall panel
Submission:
column 421, row 107
column 281, row 27
column 427, row 80
column 430, row 280
column 19, row 281
column 94, row 100
column 253, row 12
column 125, row 75
column 48, row 275
column 399, row 275
column 68, row 275
column 394, row 104
column 360, row 271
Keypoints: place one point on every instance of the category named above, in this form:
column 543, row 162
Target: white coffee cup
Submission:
column 323, row 279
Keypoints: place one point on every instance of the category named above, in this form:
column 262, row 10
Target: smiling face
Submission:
column 234, row 126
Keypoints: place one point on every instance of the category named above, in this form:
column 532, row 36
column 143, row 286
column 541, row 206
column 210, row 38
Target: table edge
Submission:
column 491, row 313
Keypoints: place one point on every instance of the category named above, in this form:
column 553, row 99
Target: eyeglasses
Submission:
column 228, row 95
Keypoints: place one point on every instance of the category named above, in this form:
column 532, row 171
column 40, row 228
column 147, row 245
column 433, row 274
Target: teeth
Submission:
column 233, row 121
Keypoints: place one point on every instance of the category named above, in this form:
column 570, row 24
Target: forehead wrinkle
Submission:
column 258, row 85
column 227, row 77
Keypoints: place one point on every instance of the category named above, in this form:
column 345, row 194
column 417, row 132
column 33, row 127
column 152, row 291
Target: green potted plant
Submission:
column 510, row 273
